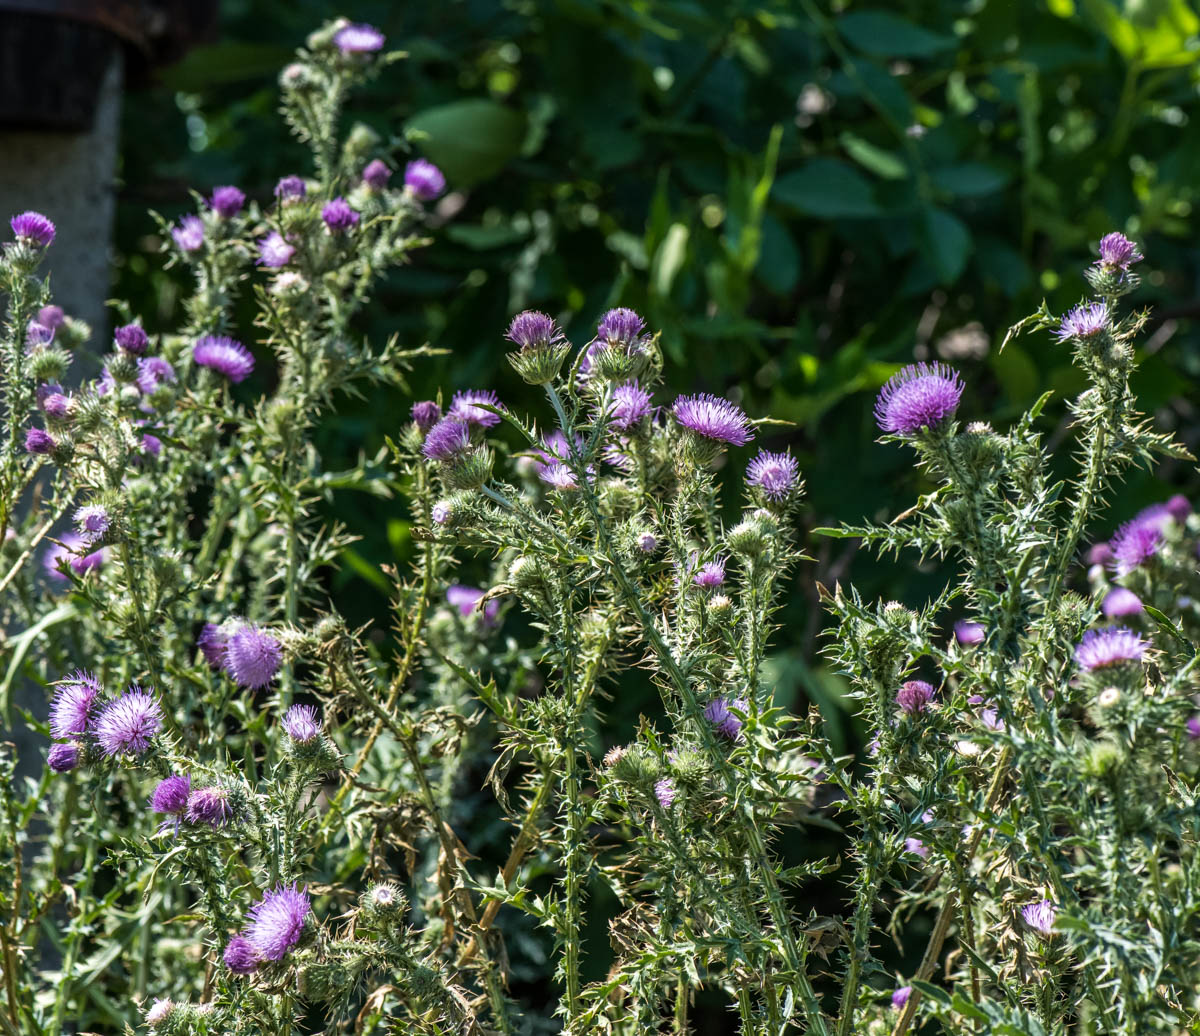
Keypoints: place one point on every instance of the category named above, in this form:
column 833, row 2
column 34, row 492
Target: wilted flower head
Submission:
column 290, row 188
column 127, row 725
column 664, row 791
column 252, row 656
column 914, row 696
column 224, row 355
column 424, row 179
column 32, row 228
column 1116, row 250
column 921, row 396
column 725, row 722
column 154, row 371
column 376, row 174
column 274, row 251
column 92, row 521
column 132, row 338
column 465, row 407
column 71, row 710
column 968, row 633
column 277, row 921
column 426, row 414
column 209, row 805
column 900, row 997
column 1084, row 321
column 302, row 723
column 189, row 235
column 1107, row 647
column 1040, row 916
column 1120, row 602
column 227, row 202
column 171, row 795
column 63, row 758
column 339, row 216
column 1135, row 543
column 629, row 404
column 776, row 474
column 240, row 956
column 466, row 599
column 714, row 418
column 447, row 439
column 358, row 39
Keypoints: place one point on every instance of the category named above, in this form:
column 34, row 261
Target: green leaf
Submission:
column 827, row 187
column 969, row 179
column 229, row 62
column 933, row 992
column 669, row 258
column 947, row 243
column 885, row 35
column 471, row 140
column 879, row 161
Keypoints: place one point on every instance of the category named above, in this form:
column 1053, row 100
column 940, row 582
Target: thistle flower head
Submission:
column 92, row 521
column 921, row 396
column 339, row 216
column 1117, row 251
column 776, row 475
column 209, row 805
column 1120, row 602
column 189, row 235
column 621, row 326
column 1179, row 507
column 465, row 407
column 376, row 174
column 62, row 758
column 532, row 329
column 127, row 725
column 424, row 179
column 449, row 438
column 227, row 356
column 277, row 921
column 725, row 722
column 426, row 414
column 1116, row 645
column 37, row 335
column 900, row 997
column 358, row 39
column 69, row 551
column 1192, row 726
column 252, row 656
column 466, row 599
column 1084, row 321
column 665, row 792
column 274, row 251
column 51, row 317
column 629, row 405
column 710, row 575
column 1040, row 916
column 914, row 696
column 558, row 475
column 132, row 338
column 969, row 633
column 1135, row 543
column 38, row 441
column 647, row 542
column 159, row 1012
column 57, row 406
column 302, row 723
column 71, row 710
column 240, row 956
column 32, row 228
column 212, row 642
column 227, row 201
column 290, row 188
column 713, row 418
column 171, row 795
column 154, row 371
column 916, row 847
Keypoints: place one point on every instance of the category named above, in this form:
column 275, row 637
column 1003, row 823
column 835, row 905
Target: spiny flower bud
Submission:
column 747, row 538
column 690, row 766
column 470, row 470
column 383, row 900
column 322, row 980
column 638, row 766
column 50, row 364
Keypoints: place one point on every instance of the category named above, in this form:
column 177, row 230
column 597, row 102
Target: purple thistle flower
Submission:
column 532, row 329
column 1099, row 554
column 711, row 575
column 38, row 441
column 132, row 338
column 71, row 710
column 630, row 403
column 63, row 758
column 1179, row 507
column 290, row 188
column 1120, row 602
column 1117, row 251
column 440, row 512
column 725, row 722
column 51, row 317
column 647, row 543
column 154, row 371
column 302, row 723
column 713, row 418
column 151, row 445
column 358, row 39
column 127, row 725
column 171, row 795
column 240, row 956
column 210, row 806
column 56, row 406
column 922, row 395
column 465, row 407
column 159, row 1012
column 621, row 326
column 224, row 355
column 37, row 335
column 776, row 474
column 447, row 439
column 917, row 847
column 990, row 718
column 274, row 251
column 424, row 179
column 277, row 921
column 1108, row 647
column 426, row 414
column 227, row 202
column 900, row 997
column 338, row 215
column 68, row 551
column 914, row 697
column 252, row 656
column 1040, row 916
column 558, row 475
column 1083, row 321
column 1135, row 543
column 664, row 791
column 376, row 174
column 92, row 521
column 968, row 633
column 212, row 642
column 32, row 228
column 1193, row 728
column 189, row 235
column 466, row 599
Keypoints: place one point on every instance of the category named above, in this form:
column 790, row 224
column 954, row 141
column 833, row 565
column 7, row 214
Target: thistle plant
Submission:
column 253, row 817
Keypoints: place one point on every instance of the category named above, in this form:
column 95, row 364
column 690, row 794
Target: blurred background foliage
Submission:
column 801, row 195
